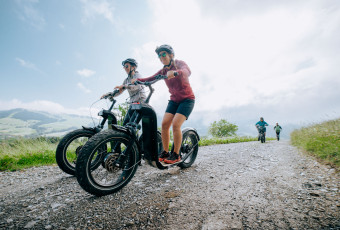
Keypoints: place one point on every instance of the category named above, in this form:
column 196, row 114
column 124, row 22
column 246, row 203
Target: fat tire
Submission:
column 82, row 165
column 194, row 154
column 64, row 143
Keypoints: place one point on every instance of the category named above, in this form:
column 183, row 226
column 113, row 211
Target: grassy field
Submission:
column 218, row 141
column 20, row 153
column 320, row 140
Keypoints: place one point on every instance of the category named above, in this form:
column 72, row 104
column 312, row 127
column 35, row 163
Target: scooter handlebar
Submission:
column 148, row 83
column 111, row 94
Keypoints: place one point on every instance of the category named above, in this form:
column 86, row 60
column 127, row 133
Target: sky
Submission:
column 276, row 59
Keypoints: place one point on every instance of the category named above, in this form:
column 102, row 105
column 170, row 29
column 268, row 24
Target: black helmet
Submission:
column 165, row 48
column 261, row 118
column 131, row 61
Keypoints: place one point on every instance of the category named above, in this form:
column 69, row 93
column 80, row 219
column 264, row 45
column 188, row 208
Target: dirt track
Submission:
column 235, row 186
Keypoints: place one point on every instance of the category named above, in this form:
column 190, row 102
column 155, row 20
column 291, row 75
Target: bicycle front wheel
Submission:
column 69, row 148
column 102, row 149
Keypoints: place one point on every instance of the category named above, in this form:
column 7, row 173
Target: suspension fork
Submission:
column 122, row 157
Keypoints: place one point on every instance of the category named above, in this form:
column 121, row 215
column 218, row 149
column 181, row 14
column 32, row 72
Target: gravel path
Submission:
column 234, row 186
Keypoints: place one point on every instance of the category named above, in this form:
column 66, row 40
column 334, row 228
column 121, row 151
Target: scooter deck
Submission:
column 170, row 165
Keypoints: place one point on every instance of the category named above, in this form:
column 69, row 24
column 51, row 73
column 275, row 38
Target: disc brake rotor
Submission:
column 109, row 162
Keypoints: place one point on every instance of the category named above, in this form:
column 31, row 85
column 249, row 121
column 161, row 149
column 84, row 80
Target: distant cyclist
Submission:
column 277, row 129
column 263, row 124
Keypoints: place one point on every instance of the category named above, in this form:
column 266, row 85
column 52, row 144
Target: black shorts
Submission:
column 184, row 107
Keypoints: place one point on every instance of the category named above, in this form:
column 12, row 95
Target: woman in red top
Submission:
column 181, row 103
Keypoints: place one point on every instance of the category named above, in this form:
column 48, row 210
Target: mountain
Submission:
column 22, row 122
column 27, row 123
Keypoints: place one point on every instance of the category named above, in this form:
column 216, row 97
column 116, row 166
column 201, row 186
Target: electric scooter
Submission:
column 115, row 168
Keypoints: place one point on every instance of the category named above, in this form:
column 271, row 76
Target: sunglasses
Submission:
column 162, row 55
column 126, row 66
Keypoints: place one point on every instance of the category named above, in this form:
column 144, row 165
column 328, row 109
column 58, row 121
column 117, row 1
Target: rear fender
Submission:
column 191, row 129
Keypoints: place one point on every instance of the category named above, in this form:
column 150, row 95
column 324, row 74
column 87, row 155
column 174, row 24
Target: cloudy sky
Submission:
column 277, row 59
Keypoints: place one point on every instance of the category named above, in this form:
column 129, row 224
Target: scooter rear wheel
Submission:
column 189, row 147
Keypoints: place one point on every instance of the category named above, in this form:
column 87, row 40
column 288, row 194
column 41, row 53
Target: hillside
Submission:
column 320, row 140
column 22, row 122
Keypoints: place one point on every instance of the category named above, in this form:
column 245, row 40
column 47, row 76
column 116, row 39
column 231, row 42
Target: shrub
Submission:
column 222, row 128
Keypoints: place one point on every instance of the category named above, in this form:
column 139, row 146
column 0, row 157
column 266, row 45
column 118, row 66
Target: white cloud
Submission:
column 42, row 105
column 262, row 56
column 27, row 64
column 83, row 88
column 86, row 72
column 92, row 9
column 27, row 12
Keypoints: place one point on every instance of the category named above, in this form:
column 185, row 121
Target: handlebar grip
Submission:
column 111, row 94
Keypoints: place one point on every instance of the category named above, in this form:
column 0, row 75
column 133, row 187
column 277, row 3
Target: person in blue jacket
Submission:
column 263, row 124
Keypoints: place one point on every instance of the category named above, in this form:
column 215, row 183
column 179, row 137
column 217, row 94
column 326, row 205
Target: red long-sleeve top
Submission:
column 179, row 86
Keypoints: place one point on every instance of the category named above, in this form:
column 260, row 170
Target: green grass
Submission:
column 320, row 140
column 21, row 153
column 236, row 139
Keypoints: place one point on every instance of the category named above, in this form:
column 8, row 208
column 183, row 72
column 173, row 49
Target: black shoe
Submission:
column 174, row 157
column 163, row 156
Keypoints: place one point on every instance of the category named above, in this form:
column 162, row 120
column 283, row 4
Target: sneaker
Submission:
column 174, row 157
column 163, row 156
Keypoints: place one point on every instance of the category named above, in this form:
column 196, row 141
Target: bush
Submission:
column 222, row 129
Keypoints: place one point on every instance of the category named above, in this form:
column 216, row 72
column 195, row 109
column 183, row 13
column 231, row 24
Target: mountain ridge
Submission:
column 29, row 123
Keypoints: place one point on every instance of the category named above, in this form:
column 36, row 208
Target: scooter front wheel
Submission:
column 107, row 177
column 69, row 148
column 189, row 148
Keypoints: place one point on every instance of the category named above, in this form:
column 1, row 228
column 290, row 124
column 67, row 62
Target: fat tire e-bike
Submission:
column 117, row 168
column 262, row 137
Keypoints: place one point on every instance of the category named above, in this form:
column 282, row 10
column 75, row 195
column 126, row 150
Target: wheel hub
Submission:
column 109, row 162
column 185, row 148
